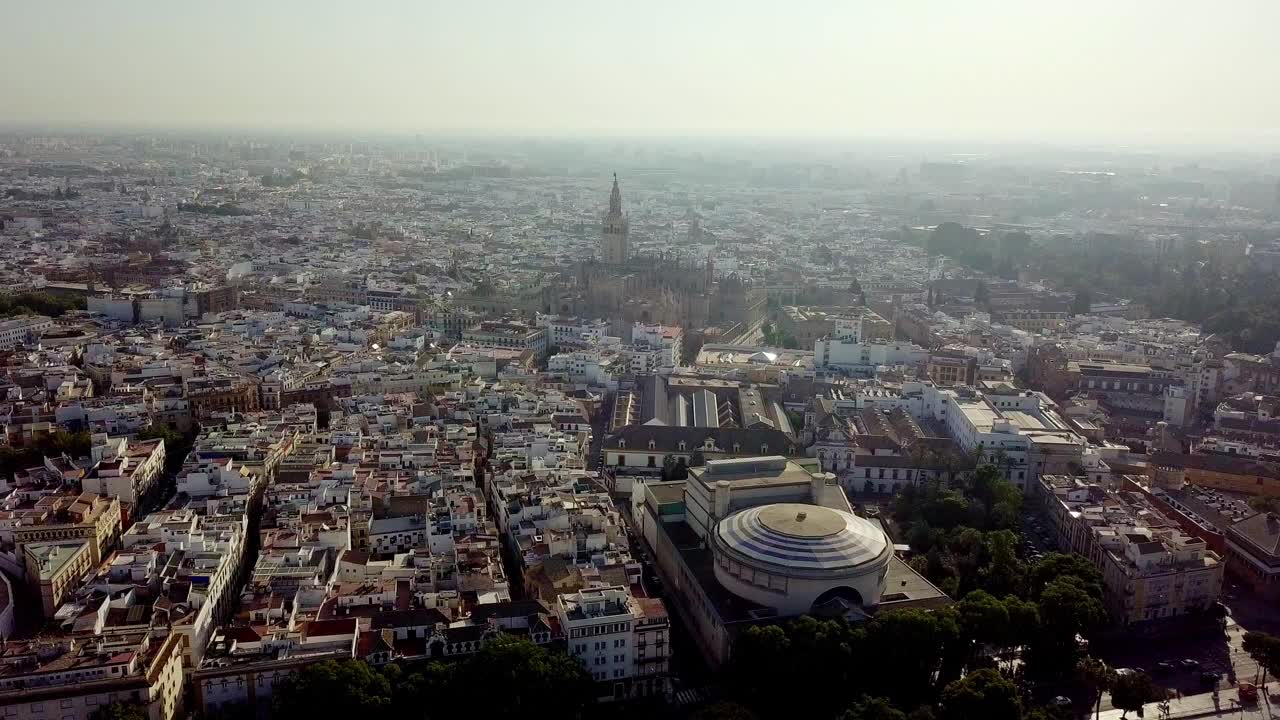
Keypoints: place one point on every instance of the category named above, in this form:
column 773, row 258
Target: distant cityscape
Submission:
column 1004, row 424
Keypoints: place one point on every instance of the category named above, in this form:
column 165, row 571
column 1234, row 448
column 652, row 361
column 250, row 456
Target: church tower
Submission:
column 613, row 234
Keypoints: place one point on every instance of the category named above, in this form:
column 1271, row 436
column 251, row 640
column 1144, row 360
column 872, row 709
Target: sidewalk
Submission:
column 1202, row 706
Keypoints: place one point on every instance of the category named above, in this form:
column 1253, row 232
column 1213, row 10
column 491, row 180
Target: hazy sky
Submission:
column 1023, row 69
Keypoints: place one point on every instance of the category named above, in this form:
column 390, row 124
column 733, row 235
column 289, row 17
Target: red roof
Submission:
column 325, row 628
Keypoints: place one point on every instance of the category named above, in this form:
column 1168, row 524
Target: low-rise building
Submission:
column 54, row 570
column 1151, row 569
column 69, row 678
column 607, row 629
column 1253, row 554
column 130, row 472
column 511, row 334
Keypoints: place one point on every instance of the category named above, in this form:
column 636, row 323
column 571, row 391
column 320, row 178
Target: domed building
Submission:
column 795, row 558
column 754, row 540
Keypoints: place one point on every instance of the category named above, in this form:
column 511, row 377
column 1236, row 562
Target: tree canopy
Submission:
column 534, row 682
column 56, row 444
column 38, row 303
column 1131, row 691
column 1265, row 650
column 983, row 694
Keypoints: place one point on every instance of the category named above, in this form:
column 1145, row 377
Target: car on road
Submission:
column 1190, row 664
column 1061, row 701
column 1164, row 666
column 1208, row 679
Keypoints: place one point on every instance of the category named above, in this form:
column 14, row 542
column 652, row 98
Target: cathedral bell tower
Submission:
column 613, row 233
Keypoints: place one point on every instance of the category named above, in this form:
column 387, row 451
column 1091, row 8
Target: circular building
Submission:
column 794, row 557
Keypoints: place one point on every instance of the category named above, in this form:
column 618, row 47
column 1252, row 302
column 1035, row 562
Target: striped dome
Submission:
column 802, row 537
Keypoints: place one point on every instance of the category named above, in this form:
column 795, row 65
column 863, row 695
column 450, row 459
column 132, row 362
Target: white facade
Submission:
column 20, row 330
column 585, row 366
column 563, row 330
column 859, row 357
column 599, row 627
column 128, row 476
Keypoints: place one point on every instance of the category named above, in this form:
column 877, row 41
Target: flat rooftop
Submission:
column 752, row 472
column 980, row 412
column 906, row 588
column 1024, row 420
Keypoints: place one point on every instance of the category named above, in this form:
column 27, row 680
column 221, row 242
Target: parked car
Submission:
column 1190, row 664
column 1164, row 666
column 1062, row 701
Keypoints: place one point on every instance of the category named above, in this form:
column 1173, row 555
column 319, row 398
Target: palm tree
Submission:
column 1000, row 459
column 918, row 453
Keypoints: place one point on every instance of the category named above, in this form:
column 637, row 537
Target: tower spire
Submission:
column 613, row 239
column 615, row 198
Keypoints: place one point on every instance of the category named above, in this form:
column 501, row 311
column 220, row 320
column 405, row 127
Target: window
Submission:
column 653, row 461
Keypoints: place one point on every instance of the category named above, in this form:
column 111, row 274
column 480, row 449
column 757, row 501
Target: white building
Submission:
column 129, row 472
column 588, row 366
column 573, row 331
column 622, row 640
column 863, row 358
column 22, row 330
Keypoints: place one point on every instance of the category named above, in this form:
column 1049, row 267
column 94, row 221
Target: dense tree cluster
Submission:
column 824, row 661
column 38, row 303
column 1234, row 297
column 1190, row 281
column 963, row 536
column 1003, row 253
column 949, row 662
column 515, row 677
column 55, row 444
column 1265, row 650
column 909, row 663
column 775, row 337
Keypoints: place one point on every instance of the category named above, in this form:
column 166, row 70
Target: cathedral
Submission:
column 625, row 289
